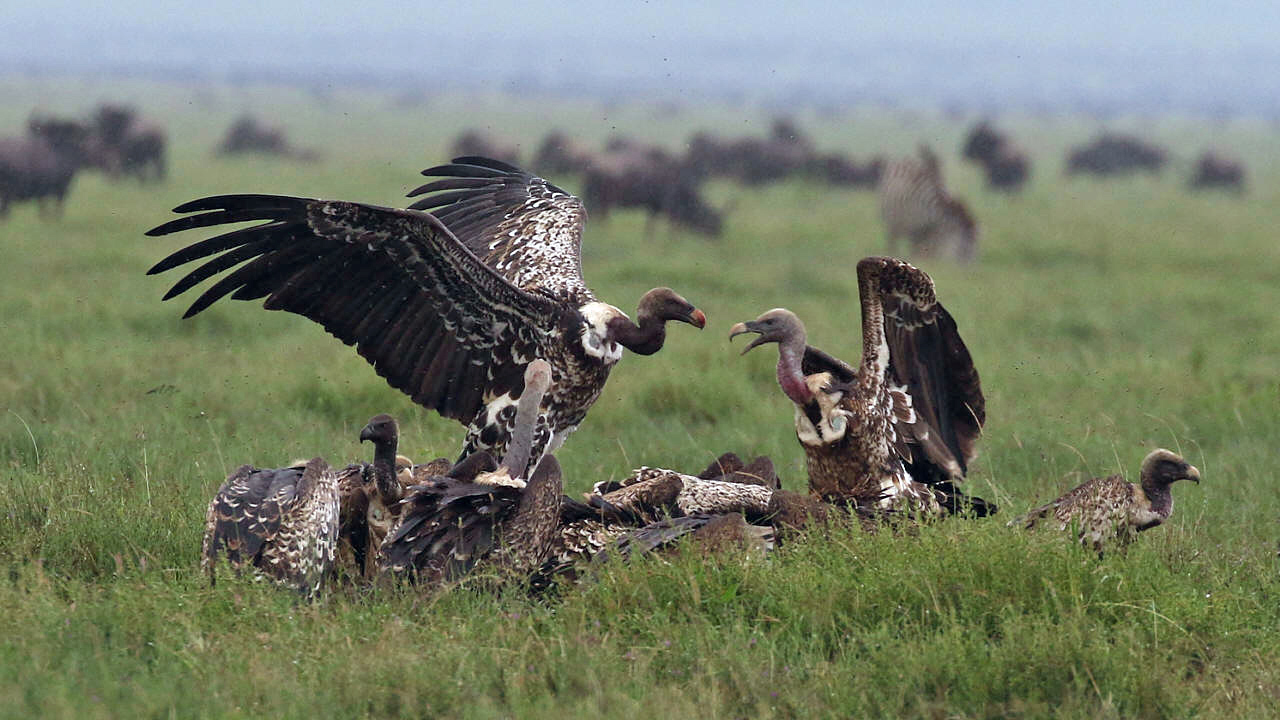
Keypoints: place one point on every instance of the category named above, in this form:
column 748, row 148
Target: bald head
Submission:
column 778, row 325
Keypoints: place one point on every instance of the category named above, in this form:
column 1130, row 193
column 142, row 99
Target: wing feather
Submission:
column 387, row 281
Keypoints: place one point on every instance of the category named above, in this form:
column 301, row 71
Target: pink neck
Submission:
column 790, row 377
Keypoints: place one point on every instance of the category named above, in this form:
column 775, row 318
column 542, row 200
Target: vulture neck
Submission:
column 645, row 338
column 1158, row 494
column 875, row 347
column 384, row 469
column 516, row 461
column 790, row 374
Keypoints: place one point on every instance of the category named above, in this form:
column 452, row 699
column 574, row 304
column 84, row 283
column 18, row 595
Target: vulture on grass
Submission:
column 448, row 306
column 370, row 495
column 900, row 429
column 283, row 522
column 451, row 523
column 1111, row 509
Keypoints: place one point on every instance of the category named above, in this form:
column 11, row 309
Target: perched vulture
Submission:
column 900, row 429
column 449, row 524
column 283, row 522
column 1112, row 510
column 448, row 306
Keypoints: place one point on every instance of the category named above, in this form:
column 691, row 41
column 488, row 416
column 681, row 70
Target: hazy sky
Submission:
column 907, row 44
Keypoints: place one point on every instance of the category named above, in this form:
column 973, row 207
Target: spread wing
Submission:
column 433, row 320
column 446, row 527
column 246, row 512
column 928, row 358
column 522, row 226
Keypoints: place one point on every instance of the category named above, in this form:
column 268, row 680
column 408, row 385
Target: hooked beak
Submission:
column 366, row 433
column 1193, row 474
column 696, row 318
column 746, row 327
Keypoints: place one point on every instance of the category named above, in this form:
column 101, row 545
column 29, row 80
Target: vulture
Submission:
column 478, row 513
column 370, row 495
column 1111, row 509
column 900, row 429
column 449, row 306
column 283, row 522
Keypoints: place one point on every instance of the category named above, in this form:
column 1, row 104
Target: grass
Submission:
column 1105, row 318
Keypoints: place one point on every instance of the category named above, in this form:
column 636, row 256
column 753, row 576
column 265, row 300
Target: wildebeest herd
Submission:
column 473, row 303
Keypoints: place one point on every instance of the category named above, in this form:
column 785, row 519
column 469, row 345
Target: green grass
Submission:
column 1105, row 318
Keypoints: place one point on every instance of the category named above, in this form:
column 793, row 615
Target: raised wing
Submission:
column 522, row 226
column 433, row 320
column 928, row 358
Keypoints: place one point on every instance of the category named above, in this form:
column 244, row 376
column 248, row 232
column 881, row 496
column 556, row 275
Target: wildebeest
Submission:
column 560, row 154
column 478, row 142
column 250, row 135
column 753, row 161
column 126, row 143
column 652, row 179
column 1214, row 170
column 839, row 169
column 41, row 165
column 1112, row 154
column 1006, row 165
column 915, row 204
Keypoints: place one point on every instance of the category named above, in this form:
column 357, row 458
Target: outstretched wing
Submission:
column 430, row 317
column 522, row 226
column 929, row 359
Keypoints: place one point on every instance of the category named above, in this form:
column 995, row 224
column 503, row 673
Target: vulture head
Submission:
column 383, row 432
column 779, row 325
column 1164, row 467
column 656, row 308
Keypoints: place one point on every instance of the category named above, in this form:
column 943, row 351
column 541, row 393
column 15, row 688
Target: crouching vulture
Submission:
column 900, row 429
column 1113, row 510
column 478, row 513
column 282, row 522
column 448, row 306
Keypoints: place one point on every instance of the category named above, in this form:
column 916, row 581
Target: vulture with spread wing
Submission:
column 901, row 428
column 449, row 306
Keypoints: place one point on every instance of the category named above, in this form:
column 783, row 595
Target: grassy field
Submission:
column 1105, row 318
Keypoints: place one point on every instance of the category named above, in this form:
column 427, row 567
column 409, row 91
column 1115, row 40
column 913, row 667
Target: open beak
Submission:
column 742, row 329
column 1193, row 474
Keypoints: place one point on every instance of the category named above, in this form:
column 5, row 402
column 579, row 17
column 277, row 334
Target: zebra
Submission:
column 915, row 204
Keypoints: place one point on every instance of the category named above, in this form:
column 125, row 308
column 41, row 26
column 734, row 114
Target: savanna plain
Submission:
column 1105, row 317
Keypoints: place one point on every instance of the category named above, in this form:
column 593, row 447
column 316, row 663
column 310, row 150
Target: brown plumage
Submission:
column 1111, row 510
column 449, row 524
column 901, row 427
column 283, row 523
column 370, row 495
column 448, row 306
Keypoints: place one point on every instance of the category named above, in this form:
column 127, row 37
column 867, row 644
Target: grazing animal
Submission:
column 482, row 144
column 41, row 165
column 129, row 144
column 649, row 178
column 250, row 135
column 1214, row 170
column 901, row 428
column 283, row 523
column 752, row 161
column 915, row 204
column 1111, row 510
column 841, row 170
column 560, row 154
column 448, row 525
column 1110, row 154
column 1007, row 166
column 449, row 307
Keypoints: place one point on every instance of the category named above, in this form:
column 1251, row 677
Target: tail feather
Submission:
column 956, row 502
